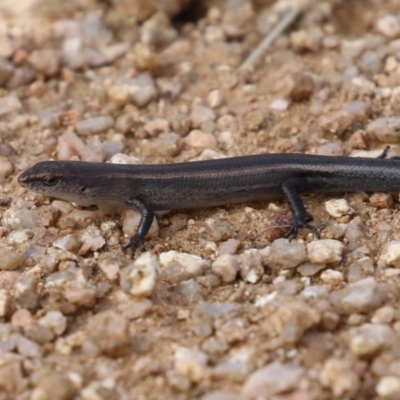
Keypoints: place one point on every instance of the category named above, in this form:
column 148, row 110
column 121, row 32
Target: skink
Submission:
column 211, row 183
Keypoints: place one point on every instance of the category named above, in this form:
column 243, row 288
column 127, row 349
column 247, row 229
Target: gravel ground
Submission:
column 220, row 306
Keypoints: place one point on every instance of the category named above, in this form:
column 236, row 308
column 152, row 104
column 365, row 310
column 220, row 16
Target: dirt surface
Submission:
column 220, row 306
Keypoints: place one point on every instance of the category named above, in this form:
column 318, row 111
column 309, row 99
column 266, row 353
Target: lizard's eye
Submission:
column 51, row 181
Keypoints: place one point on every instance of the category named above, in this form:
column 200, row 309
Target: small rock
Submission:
column 383, row 315
column 336, row 122
column 331, row 149
column 226, row 267
column 54, row 321
column 309, row 269
column 156, row 126
column 132, row 308
column 45, row 61
column 279, row 105
column 253, row 120
column 11, row 376
column 339, row 376
column 282, row 254
column 302, row 87
column 386, row 129
column 381, row 200
column 201, row 114
column 94, row 125
column 230, row 246
column 306, row 40
column 69, row 243
column 370, row 62
column 9, row 104
column 390, row 254
column 25, row 347
column 53, row 385
column 10, row 259
column 251, row 266
column 191, row 363
column 326, row 251
column 110, row 333
column 140, row 277
column 389, row 26
column 80, row 293
column 92, row 240
column 359, row 297
column 19, row 236
column 273, row 379
column 140, row 90
column 388, row 387
column 124, row 122
column 197, row 138
column 21, row 318
column 215, row 98
column 332, row 277
column 111, row 264
column 338, row 208
column 202, row 322
column 179, row 267
column 26, row 292
column 217, row 229
column 368, row 340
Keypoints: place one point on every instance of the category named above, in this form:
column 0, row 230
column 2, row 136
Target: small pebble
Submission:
column 156, row 126
column 338, row 208
column 369, row 339
column 45, row 61
column 325, row 251
column 279, row 105
column 10, row 260
column 178, row 267
column 94, row 125
column 55, row 321
column 389, row 26
column 302, row 87
column 68, row 242
column 92, row 240
column 283, row 254
column 139, row 278
column 273, row 379
column 386, row 129
column 215, row 98
column 191, row 363
column 339, row 376
column 217, row 229
column 226, row 267
column 251, row 266
column 359, row 297
column 80, row 293
column 111, row 264
column 229, row 246
column 9, row 104
column 332, row 277
column 381, row 200
column 199, row 139
column 201, row 114
column 390, row 254
column 388, row 387
column 383, row 315
column 109, row 332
